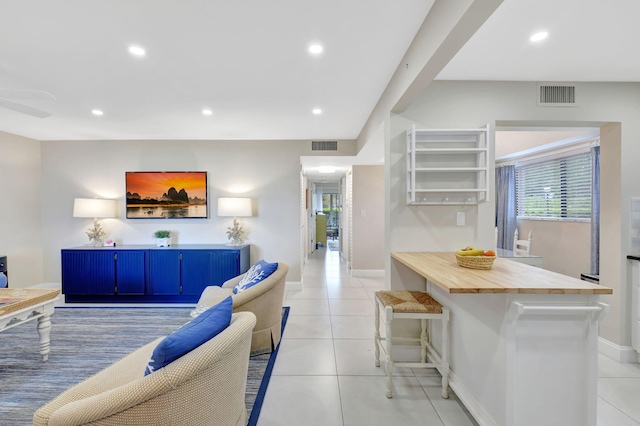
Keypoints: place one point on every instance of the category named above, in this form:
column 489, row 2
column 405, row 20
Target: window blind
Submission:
column 555, row 189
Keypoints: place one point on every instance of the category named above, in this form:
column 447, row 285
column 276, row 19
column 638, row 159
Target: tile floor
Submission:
column 325, row 373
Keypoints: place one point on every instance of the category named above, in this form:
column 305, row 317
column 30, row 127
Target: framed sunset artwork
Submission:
column 166, row 195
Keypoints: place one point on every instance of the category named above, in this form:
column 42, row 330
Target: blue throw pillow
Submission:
column 191, row 335
column 258, row 272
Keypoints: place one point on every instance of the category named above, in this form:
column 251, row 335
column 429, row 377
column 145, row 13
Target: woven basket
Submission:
column 475, row 262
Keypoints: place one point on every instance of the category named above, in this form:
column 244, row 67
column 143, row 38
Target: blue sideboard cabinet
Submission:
column 3, row 268
column 148, row 274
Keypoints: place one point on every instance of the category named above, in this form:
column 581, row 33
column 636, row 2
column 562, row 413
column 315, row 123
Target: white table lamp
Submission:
column 95, row 208
column 236, row 207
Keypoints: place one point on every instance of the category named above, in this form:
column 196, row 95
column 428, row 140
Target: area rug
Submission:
column 83, row 342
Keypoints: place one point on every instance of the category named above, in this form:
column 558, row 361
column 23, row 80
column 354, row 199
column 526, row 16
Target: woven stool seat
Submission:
column 410, row 302
column 412, row 305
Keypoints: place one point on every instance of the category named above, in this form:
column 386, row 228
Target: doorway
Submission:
column 539, row 158
column 331, row 209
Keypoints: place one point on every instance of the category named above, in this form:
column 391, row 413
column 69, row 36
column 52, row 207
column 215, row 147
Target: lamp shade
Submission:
column 235, row 207
column 94, row 207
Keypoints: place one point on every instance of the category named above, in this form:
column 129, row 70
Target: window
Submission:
column 555, row 189
column 331, row 208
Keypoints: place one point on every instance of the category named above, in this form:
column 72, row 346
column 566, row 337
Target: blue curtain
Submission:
column 506, row 205
column 595, row 210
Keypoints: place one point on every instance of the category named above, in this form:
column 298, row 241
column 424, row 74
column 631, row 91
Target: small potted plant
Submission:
column 163, row 238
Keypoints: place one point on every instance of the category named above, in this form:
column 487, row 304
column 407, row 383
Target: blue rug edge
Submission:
column 257, row 405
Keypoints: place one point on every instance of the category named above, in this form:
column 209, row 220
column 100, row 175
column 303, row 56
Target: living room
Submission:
column 42, row 176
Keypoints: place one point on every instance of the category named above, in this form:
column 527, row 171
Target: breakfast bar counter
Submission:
column 524, row 341
column 505, row 276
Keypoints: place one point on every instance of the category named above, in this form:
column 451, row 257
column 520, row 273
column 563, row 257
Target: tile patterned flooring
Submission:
column 325, row 373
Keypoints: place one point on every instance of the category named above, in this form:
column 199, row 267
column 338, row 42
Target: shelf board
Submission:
column 442, row 203
column 450, row 169
column 449, row 150
column 457, row 190
column 473, row 131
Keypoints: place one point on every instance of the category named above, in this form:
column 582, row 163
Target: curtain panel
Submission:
column 506, row 219
column 595, row 210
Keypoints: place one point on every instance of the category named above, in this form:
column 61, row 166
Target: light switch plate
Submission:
column 460, row 218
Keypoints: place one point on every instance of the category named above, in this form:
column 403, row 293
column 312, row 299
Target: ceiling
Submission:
column 589, row 40
column 247, row 61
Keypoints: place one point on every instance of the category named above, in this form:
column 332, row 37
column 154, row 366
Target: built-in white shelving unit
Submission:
column 447, row 166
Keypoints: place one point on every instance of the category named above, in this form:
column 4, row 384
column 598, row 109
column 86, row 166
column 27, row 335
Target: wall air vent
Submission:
column 324, row 145
column 552, row 94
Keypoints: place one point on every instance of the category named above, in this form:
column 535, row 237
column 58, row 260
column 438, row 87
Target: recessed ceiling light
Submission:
column 539, row 36
column 207, row 111
column 137, row 51
column 327, row 170
column 97, row 112
column 316, row 49
column 317, row 111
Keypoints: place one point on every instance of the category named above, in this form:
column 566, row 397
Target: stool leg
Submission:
column 376, row 336
column 423, row 341
column 445, row 353
column 388, row 319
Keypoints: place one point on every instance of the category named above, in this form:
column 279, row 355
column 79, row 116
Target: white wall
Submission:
column 20, row 227
column 368, row 218
column 266, row 171
column 471, row 104
column 565, row 247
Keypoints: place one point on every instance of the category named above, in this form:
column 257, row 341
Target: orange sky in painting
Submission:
column 154, row 184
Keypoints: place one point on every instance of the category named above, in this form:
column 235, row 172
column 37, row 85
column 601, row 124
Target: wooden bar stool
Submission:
column 412, row 305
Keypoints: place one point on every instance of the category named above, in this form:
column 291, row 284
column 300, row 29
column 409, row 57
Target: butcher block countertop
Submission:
column 506, row 276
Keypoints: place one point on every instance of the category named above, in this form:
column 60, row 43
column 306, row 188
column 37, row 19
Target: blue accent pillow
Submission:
column 191, row 335
column 258, row 272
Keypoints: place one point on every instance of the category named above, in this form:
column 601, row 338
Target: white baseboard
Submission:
column 367, row 272
column 47, row 285
column 409, row 353
column 623, row 354
column 472, row 405
column 293, row 286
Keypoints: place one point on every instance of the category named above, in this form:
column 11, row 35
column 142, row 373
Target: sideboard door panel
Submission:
column 88, row 272
column 131, row 272
column 164, row 275
column 225, row 264
column 195, row 268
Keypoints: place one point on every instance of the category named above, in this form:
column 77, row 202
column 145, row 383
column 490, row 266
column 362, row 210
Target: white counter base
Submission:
column 530, row 366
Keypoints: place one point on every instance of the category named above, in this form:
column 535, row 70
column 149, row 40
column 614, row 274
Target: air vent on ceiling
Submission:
column 324, row 145
column 556, row 94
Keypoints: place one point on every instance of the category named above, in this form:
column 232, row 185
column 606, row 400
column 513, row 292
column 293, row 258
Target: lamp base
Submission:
column 233, row 244
column 96, row 234
column 96, row 242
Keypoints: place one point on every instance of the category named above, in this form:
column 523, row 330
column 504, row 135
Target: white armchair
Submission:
column 263, row 299
column 204, row 386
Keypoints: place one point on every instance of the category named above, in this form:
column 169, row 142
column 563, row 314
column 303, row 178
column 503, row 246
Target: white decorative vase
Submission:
column 163, row 242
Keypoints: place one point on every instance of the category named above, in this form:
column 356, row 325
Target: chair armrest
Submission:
column 232, row 282
column 275, row 279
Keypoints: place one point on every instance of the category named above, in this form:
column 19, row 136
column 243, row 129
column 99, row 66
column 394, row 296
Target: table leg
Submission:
column 44, row 330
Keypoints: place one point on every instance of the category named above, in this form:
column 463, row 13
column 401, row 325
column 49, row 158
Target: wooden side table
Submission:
column 25, row 305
